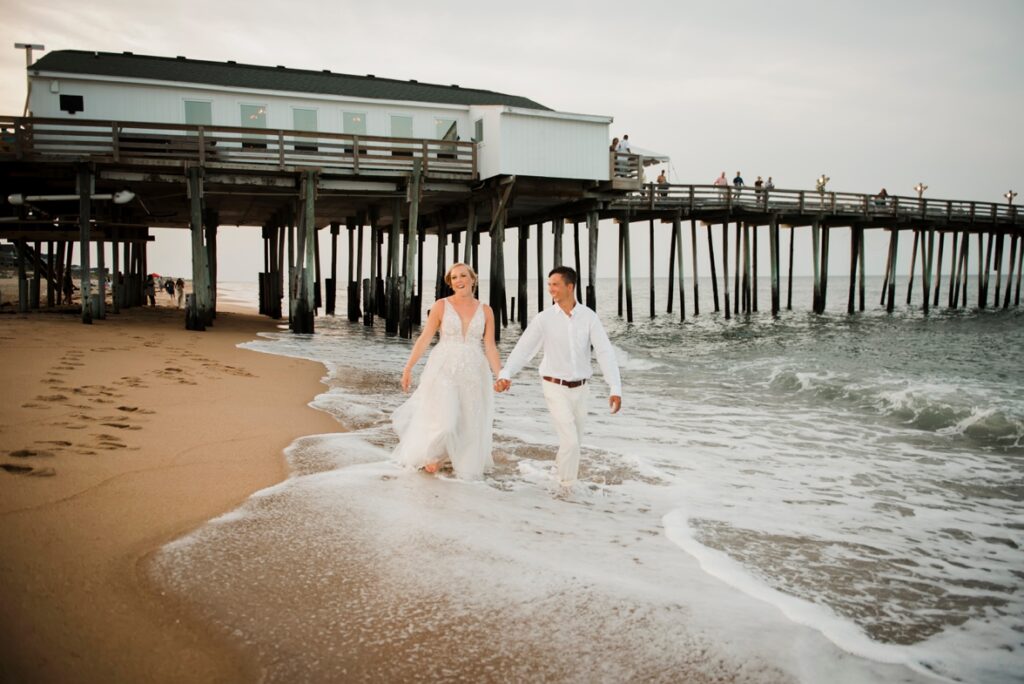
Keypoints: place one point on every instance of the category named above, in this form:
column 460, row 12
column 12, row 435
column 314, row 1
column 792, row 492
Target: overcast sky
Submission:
column 871, row 93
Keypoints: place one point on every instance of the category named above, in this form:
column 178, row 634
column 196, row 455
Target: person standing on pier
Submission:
column 566, row 332
column 738, row 183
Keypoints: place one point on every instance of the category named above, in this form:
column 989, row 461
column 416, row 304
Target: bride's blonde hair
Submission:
column 472, row 274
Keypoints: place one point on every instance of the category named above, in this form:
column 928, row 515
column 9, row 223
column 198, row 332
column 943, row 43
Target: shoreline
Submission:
column 121, row 437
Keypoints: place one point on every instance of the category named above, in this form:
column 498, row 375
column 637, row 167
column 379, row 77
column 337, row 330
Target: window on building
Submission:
column 478, row 130
column 198, row 113
column 254, row 116
column 304, row 120
column 401, row 127
column 447, row 129
column 354, row 123
column 72, row 103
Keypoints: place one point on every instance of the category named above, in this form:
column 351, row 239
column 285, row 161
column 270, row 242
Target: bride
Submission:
column 451, row 414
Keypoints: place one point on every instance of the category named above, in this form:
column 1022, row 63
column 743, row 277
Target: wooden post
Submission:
column 693, row 259
column 211, row 220
column 469, row 256
column 541, row 280
column 624, row 226
column 753, row 277
column 370, row 292
column 1020, row 270
column 651, row 264
column 332, row 286
column 929, row 265
column 999, row 244
column 736, row 277
column 497, row 284
column 826, row 238
column 19, row 248
column 308, row 254
column 84, row 217
column 854, row 250
column 197, row 316
column 860, row 260
column 620, row 271
column 961, row 271
column 789, row 284
column 412, row 242
column 773, row 261
column 101, row 277
column 1009, row 271
column 984, row 266
column 677, row 230
column 115, row 274
column 913, row 262
column 393, row 311
column 440, row 287
column 893, row 245
column 50, row 284
column 714, row 276
column 557, row 229
column 744, row 264
column 524, row 238
column 592, row 260
column 816, row 257
column 671, row 265
column 576, row 248
column 954, row 263
column 725, row 267
column 938, row 267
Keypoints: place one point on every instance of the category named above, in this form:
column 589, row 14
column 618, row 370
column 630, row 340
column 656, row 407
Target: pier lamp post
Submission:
column 919, row 189
column 821, row 183
column 1009, row 195
column 28, row 48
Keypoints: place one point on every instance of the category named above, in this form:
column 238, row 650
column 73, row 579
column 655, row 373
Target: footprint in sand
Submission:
column 51, row 397
column 135, row 409
column 28, row 470
column 28, row 453
column 122, row 426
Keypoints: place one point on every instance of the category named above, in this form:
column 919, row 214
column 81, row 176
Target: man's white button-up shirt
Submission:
column 566, row 340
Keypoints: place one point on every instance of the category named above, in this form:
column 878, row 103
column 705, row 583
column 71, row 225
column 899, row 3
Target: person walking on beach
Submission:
column 179, row 289
column 150, row 291
column 450, row 416
column 566, row 332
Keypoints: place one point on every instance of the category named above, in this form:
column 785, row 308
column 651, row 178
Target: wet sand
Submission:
column 116, row 438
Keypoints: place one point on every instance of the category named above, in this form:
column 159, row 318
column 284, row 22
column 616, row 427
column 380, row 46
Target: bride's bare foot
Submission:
column 432, row 467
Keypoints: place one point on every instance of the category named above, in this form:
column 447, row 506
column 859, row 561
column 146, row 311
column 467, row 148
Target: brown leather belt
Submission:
column 565, row 383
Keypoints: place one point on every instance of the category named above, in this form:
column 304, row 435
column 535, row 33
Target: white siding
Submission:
column 166, row 104
column 554, row 147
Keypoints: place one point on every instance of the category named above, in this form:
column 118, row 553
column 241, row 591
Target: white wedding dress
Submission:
column 450, row 416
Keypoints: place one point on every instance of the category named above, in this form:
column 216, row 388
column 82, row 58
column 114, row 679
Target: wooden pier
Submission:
column 396, row 193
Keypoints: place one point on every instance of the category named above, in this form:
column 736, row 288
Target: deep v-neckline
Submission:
column 464, row 325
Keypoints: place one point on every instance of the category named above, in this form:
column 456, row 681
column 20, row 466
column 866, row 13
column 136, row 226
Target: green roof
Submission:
column 182, row 70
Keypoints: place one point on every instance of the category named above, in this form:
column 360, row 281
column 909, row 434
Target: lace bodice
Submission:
column 451, row 326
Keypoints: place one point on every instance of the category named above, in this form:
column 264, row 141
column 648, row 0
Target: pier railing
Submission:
column 697, row 198
column 230, row 147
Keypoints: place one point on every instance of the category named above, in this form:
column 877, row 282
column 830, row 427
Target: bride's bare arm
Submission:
column 422, row 342
column 491, row 349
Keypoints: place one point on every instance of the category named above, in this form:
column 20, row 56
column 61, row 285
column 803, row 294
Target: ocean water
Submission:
column 802, row 498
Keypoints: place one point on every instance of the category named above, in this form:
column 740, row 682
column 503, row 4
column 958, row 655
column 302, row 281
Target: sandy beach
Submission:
column 116, row 438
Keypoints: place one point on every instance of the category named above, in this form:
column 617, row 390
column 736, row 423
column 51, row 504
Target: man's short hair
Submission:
column 568, row 274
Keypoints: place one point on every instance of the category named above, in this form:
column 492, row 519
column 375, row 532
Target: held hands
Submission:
column 501, row 385
column 615, row 403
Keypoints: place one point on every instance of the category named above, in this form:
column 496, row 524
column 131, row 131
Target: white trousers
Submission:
column 568, row 409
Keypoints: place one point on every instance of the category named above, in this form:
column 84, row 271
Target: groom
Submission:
column 566, row 332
